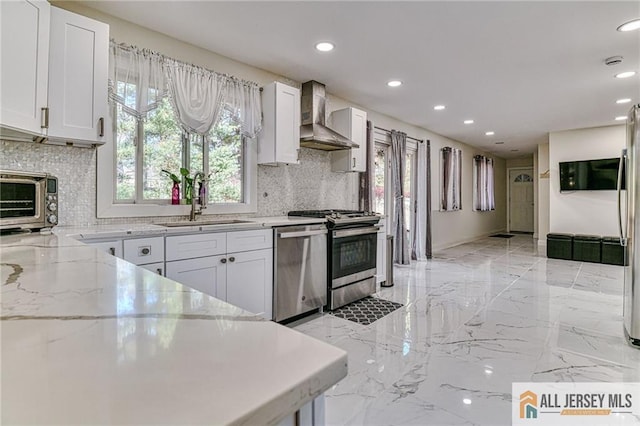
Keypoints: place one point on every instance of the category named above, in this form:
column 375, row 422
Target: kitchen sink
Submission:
column 203, row 222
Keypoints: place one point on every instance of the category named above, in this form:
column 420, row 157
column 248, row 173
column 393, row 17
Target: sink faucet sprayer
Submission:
column 202, row 196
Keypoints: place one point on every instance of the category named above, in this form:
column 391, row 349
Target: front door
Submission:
column 521, row 200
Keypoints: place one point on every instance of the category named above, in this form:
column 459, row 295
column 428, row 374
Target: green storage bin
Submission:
column 560, row 246
column 612, row 252
column 587, row 248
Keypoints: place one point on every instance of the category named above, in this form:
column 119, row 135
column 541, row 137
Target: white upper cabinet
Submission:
column 352, row 123
column 78, row 66
column 53, row 77
column 279, row 141
column 24, row 27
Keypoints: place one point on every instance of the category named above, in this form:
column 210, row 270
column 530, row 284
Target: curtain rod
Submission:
column 408, row 137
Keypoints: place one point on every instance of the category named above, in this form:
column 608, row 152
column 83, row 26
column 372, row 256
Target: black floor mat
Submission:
column 502, row 236
column 367, row 310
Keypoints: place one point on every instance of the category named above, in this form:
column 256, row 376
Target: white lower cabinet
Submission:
column 243, row 278
column 249, row 281
column 310, row 414
column 157, row 268
column 205, row 274
column 235, row 266
column 148, row 253
column 113, row 247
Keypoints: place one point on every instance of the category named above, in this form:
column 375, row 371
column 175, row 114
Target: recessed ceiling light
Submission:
column 467, row 401
column 630, row 26
column 439, row 107
column 490, row 133
column 621, row 117
column 623, row 101
column 325, row 46
column 394, row 83
column 468, row 121
column 626, row 74
column 499, row 143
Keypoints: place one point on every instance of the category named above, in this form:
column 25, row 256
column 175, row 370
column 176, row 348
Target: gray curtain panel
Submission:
column 451, row 199
column 429, row 242
column 483, row 184
column 398, row 164
column 366, row 178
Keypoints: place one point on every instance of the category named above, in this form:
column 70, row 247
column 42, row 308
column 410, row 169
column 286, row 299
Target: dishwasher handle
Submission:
column 300, row 234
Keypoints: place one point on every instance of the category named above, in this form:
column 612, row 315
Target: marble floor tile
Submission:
column 476, row 318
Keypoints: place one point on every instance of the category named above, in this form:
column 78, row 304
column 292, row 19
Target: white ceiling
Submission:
column 520, row 69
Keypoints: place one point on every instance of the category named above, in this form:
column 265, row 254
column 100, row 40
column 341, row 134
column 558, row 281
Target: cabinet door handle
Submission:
column 159, row 271
column 112, row 251
column 232, row 259
column 45, row 118
column 145, row 251
column 101, row 126
column 354, row 162
column 223, row 260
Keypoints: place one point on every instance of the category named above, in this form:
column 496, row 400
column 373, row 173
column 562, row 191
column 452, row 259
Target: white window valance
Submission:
column 139, row 79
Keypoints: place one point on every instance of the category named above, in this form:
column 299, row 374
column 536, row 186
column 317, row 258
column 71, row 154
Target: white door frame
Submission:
column 509, row 193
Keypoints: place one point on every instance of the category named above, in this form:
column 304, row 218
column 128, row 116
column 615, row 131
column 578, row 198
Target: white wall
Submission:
column 583, row 212
column 543, row 192
column 520, row 162
column 287, row 187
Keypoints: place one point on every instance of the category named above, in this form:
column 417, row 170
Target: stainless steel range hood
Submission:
column 313, row 132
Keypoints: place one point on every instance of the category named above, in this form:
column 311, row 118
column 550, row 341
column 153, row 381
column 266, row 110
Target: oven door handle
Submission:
column 301, row 234
column 356, row 231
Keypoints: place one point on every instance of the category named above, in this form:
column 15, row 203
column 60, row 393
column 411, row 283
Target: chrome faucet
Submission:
column 201, row 197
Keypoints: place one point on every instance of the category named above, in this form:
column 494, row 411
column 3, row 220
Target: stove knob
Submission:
column 52, row 207
column 49, row 197
column 52, row 219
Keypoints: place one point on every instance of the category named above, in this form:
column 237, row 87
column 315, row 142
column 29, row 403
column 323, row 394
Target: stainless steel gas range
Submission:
column 351, row 253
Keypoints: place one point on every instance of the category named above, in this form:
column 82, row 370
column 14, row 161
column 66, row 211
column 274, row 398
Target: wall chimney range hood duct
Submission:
column 313, row 132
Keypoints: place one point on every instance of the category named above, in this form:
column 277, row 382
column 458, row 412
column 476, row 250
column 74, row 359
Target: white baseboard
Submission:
column 467, row 240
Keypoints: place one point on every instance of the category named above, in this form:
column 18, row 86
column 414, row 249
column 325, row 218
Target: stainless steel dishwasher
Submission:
column 300, row 273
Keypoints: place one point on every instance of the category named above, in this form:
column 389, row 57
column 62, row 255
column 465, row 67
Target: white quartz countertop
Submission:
column 88, row 338
column 131, row 230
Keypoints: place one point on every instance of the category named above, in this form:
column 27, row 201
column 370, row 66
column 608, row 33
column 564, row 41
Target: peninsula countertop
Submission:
column 88, row 338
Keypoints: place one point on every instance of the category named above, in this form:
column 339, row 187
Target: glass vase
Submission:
column 175, row 193
column 188, row 192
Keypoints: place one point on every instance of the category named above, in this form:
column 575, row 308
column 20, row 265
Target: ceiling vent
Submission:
column 613, row 60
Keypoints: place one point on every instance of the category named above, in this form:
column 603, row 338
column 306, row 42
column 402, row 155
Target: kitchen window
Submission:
column 145, row 148
column 409, row 185
column 168, row 115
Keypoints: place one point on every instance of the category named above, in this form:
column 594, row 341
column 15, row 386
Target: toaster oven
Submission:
column 28, row 200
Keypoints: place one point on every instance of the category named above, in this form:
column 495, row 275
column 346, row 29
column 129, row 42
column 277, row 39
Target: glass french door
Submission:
column 409, row 186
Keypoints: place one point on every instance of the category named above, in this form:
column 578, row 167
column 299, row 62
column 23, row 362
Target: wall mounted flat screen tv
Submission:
column 590, row 175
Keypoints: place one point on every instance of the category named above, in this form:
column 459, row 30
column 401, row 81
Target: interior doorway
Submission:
column 521, row 205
